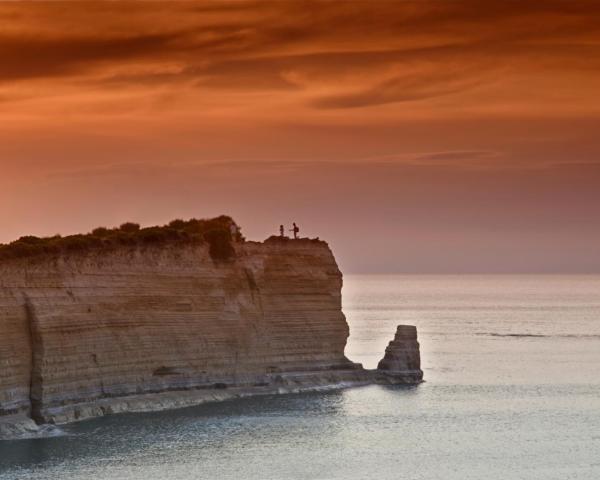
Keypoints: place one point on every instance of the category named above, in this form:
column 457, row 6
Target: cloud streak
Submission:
column 31, row 57
column 252, row 46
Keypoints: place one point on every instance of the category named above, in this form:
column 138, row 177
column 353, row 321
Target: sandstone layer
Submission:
column 145, row 328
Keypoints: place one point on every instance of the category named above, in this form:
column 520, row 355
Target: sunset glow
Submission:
column 419, row 136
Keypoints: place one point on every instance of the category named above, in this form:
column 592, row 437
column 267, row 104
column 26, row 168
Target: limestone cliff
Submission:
column 157, row 326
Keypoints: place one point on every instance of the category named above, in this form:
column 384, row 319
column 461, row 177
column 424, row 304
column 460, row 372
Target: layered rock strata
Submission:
column 145, row 328
column 402, row 361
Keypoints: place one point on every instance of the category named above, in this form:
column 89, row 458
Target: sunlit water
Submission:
column 513, row 392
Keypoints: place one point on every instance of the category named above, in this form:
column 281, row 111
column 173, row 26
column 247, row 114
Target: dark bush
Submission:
column 101, row 232
column 129, row 227
column 219, row 241
column 170, row 233
column 20, row 249
column 30, row 240
column 193, row 226
column 152, row 235
column 158, row 234
column 80, row 242
column 216, row 232
column 117, row 237
column 177, row 224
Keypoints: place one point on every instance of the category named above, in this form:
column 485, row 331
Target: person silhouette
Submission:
column 296, row 230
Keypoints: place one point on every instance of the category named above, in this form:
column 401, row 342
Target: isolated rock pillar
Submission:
column 402, row 361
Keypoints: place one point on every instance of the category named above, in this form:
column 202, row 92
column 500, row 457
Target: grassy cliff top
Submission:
column 215, row 231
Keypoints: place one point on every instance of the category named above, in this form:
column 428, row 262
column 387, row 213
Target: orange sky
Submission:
column 415, row 136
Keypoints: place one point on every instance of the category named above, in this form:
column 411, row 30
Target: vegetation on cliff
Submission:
column 215, row 231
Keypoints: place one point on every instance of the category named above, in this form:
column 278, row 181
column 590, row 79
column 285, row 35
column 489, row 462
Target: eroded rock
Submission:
column 402, row 361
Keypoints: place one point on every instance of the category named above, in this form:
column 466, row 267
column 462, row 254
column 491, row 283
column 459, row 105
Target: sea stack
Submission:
column 402, row 361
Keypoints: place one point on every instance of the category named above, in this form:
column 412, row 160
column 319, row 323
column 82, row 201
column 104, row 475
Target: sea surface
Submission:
column 512, row 369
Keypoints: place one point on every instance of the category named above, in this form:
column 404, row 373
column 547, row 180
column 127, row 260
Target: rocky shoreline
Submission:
column 20, row 426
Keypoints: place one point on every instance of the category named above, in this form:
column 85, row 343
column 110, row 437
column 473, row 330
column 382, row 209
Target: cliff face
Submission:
column 142, row 327
column 82, row 329
column 15, row 353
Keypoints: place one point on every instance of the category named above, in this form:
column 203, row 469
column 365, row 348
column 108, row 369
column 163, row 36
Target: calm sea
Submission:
column 512, row 365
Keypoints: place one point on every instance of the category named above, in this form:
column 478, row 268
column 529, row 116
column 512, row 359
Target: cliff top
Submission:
column 215, row 231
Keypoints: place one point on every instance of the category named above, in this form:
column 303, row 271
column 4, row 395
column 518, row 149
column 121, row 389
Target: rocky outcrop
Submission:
column 149, row 327
column 402, row 361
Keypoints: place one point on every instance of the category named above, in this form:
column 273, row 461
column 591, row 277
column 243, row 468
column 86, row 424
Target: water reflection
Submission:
column 232, row 424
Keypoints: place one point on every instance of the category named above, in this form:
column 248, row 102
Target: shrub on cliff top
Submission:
column 101, row 232
column 214, row 231
column 177, row 224
column 129, row 227
column 219, row 241
column 30, row 240
column 75, row 243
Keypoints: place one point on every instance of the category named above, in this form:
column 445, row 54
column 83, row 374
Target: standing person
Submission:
column 281, row 230
column 296, row 230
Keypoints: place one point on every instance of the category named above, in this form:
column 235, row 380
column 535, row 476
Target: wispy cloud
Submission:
column 364, row 50
column 27, row 57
